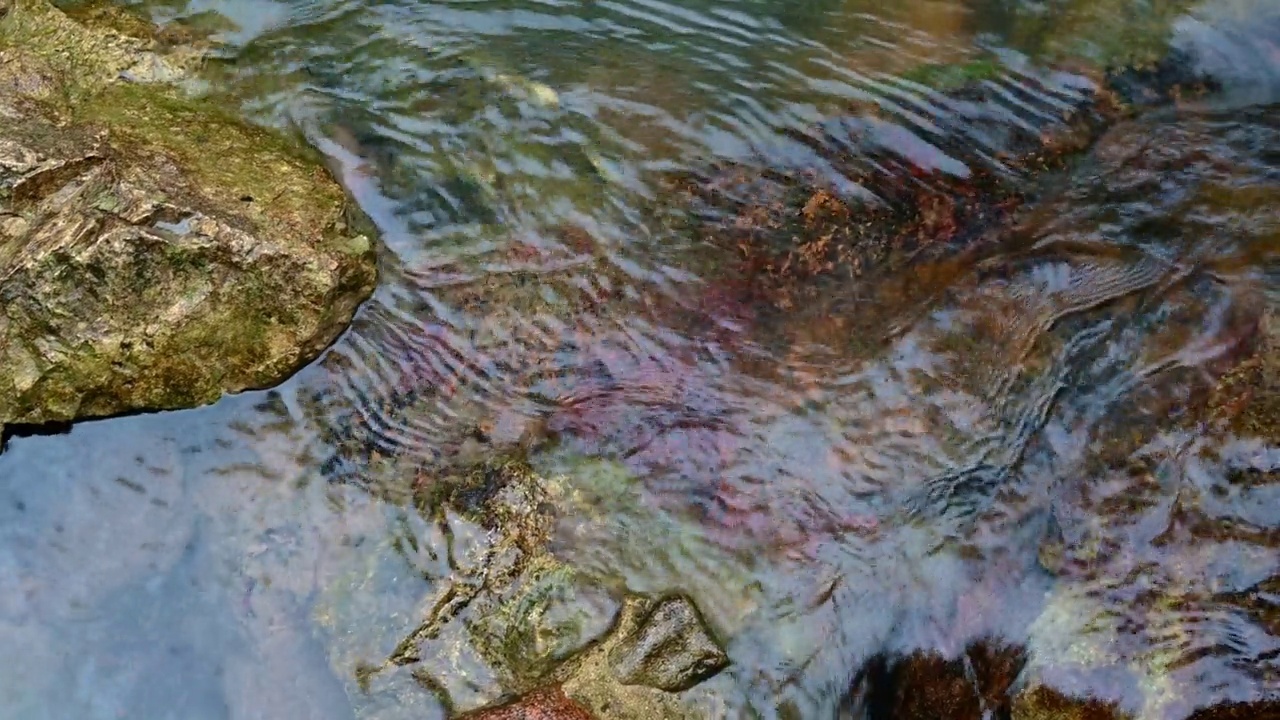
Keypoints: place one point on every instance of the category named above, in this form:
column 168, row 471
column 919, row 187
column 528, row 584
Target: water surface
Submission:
column 874, row 464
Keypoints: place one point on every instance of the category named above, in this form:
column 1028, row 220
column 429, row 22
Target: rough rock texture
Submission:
column 928, row 686
column 155, row 251
column 1043, row 703
column 592, row 679
column 546, row 704
column 671, row 650
column 508, row 614
column 510, row 619
column 1241, row 711
column 988, row 681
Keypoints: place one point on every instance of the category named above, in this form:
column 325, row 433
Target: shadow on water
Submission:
column 860, row 327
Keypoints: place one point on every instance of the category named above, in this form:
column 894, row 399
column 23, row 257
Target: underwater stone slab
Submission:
column 156, row 251
column 671, row 649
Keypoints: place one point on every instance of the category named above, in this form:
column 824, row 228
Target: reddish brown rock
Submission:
column 980, row 684
column 545, row 704
column 928, row 686
column 1266, row 710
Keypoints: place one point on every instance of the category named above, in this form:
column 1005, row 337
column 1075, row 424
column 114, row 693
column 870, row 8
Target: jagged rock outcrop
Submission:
column 155, row 250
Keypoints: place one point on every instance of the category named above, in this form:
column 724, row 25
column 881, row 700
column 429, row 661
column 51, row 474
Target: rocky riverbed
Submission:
column 1122, row 596
column 954, row 401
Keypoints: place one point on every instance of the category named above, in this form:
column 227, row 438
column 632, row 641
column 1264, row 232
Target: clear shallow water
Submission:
column 869, row 467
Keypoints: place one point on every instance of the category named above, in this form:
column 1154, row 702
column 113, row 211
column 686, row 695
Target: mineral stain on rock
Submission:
column 545, row 704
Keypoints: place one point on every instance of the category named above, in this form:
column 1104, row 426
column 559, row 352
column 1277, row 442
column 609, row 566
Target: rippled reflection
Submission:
column 1002, row 397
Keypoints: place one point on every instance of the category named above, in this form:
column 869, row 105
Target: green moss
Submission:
column 104, row 14
column 275, row 179
column 82, row 61
column 1110, row 33
column 108, row 202
column 515, row 636
column 181, row 259
column 953, row 76
column 268, row 176
column 266, row 276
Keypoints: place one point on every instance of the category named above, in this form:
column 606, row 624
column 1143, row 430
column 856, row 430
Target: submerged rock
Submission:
column 155, row 251
column 874, row 195
column 507, row 618
column 942, row 212
column 671, row 649
column 508, row 614
column 882, row 202
column 991, row 679
column 928, row 686
column 546, row 704
column 1043, row 703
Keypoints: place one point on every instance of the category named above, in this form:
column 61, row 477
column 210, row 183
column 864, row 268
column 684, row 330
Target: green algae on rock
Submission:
column 1113, row 33
column 155, row 251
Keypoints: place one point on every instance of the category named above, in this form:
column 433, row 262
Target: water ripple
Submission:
column 806, row 308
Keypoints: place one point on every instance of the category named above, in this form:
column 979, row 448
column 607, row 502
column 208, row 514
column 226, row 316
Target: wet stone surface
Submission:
column 523, row 618
column 925, row 685
column 671, row 650
column 545, row 704
column 1042, row 703
column 146, row 261
column 1051, row 295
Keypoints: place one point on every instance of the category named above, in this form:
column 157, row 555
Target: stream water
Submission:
column 879, row 465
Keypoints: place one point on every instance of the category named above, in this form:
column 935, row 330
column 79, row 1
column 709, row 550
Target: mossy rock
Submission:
column 1044, row 703
column 156, row 251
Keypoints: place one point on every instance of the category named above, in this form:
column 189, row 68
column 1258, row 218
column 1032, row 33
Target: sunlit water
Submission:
column 870, row 469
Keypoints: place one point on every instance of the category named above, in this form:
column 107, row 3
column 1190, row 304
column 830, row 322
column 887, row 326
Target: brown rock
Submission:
column 545, row 704
column 996, row 666
column 1043, row 703
column 1265, row 710
column 928, row 686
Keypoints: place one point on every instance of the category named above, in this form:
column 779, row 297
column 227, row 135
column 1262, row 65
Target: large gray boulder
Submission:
column 155, row 250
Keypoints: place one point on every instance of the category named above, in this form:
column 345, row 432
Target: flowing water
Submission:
column 1036, row 441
